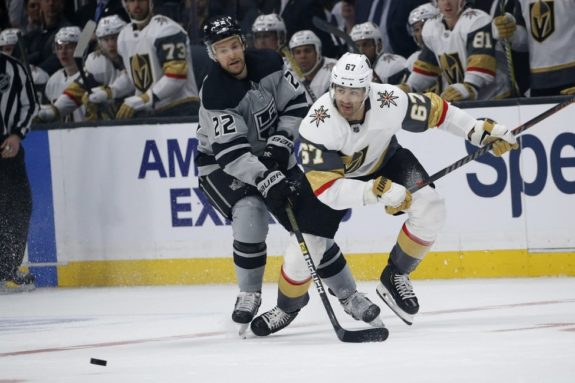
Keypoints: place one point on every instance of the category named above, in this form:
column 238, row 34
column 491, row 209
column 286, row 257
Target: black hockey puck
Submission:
column 99, row 362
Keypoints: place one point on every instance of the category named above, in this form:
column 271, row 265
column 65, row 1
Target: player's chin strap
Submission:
column 481, row 151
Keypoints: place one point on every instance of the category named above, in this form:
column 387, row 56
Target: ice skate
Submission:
column 272, row 321
column 361, row 308
column 246, row 307
column 17, row 282
column 397, row 292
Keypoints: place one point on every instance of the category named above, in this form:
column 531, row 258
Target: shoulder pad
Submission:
column 222, row 91
column 262, row 62
column 473, row 19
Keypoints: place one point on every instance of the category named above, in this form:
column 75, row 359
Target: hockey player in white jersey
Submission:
column 547, row 30
column 352, row 158
column 459, row 47
column 269, row 32
column 65, row 42
column 388, row 68
column 155, row 51
column 246, row 166
column 102, row 67
column 313, row 70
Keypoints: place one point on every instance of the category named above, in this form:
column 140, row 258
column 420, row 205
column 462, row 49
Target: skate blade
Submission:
column 243, row 330
column 386, row 297
column 377, row 323
column 12, row 288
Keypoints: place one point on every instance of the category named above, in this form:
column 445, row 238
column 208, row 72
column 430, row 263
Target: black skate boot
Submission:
column 397, row 292
column 17, row 282
column 21, row 278
column 246, row 307
column 272, row 321
column 361, row 308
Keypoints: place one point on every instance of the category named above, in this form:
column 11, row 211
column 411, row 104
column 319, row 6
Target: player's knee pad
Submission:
column 250, row 255
column 427, row 214
column 295, row 267
column 250, row 220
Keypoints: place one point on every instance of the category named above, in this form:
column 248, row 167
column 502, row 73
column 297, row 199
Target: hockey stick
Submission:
column 298, row 71
column 24, row 55
column 332, row 29
column 509, row 57
column 378, row 334
column 481, row 151
column 79, row 56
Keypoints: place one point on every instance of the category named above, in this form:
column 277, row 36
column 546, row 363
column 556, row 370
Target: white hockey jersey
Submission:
column 55, row 87
column 467, row 53
column 320, row 83
column 148, row 53
column 391, row 68
column 549, row 33
column 334, row 153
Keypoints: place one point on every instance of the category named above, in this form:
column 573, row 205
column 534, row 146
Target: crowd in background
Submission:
column 519, row 49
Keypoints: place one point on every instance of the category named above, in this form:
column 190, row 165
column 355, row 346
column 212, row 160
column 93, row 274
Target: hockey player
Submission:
column 416, row 20
column 313, row 69
column 269, row 31
column 352, row 158
column 459, row 47
column 547, row 31
column 102, row 67
column 388, row 68
column 8, row 42
column 65, row 42
column 245, row 160
column 155, row 51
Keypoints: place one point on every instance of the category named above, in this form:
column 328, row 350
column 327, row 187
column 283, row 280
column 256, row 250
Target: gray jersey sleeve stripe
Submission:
column 226, row 156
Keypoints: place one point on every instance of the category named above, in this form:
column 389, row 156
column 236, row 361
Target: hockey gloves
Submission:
column 487, row 131
column 48, row 113
column 134, row 104
column 394, row 196
column 503, row 27
column 459, row 92
column 277, row 152
column 98, row 95
column 276, row 189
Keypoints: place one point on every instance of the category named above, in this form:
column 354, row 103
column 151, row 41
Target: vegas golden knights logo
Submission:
column 354, row 162
column 542, row 15
column 141, row 72
column 451, row 67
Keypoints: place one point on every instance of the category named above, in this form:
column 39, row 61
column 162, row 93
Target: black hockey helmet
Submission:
column 219, row 28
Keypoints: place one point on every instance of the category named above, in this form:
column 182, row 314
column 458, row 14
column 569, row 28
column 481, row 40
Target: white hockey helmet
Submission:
column 306, row 37
column 150, row 12
column 67, row 35
column 271, row 23
column 422, row 13
column 365, row 31
column 109, row 25
column 9, row 37
column 352, row 70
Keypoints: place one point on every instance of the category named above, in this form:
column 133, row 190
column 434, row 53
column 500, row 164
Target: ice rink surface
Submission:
column 483, row 330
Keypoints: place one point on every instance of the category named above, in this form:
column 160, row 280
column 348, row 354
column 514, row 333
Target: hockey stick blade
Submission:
column 84, row 40
column 332, row 29
column 481, row 151
column 378, row 334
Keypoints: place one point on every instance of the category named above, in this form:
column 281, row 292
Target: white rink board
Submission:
column 104, row 211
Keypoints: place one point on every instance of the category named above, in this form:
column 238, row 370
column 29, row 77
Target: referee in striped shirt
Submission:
column 18, row 105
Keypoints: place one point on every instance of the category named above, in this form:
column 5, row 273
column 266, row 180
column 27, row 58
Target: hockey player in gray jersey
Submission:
column 250, row 111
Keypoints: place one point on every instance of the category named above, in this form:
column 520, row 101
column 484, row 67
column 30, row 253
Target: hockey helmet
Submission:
column 421, row 13
column 271, row 23
column 352, row 70
column 9, row 37
column 67, row 35
column 368, row 30
column 109, row 25
column 307, row 37
column 220, row 28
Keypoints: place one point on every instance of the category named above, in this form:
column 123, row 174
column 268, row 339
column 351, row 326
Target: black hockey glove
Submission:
column 276, row 189
column 277, row 152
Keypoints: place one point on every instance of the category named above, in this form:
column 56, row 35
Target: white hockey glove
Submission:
column 48, row 113
column 459, row 92
column 134, row 104
column 487, row 131
column 394, row 196
column 503, row 27
column 100, row 94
